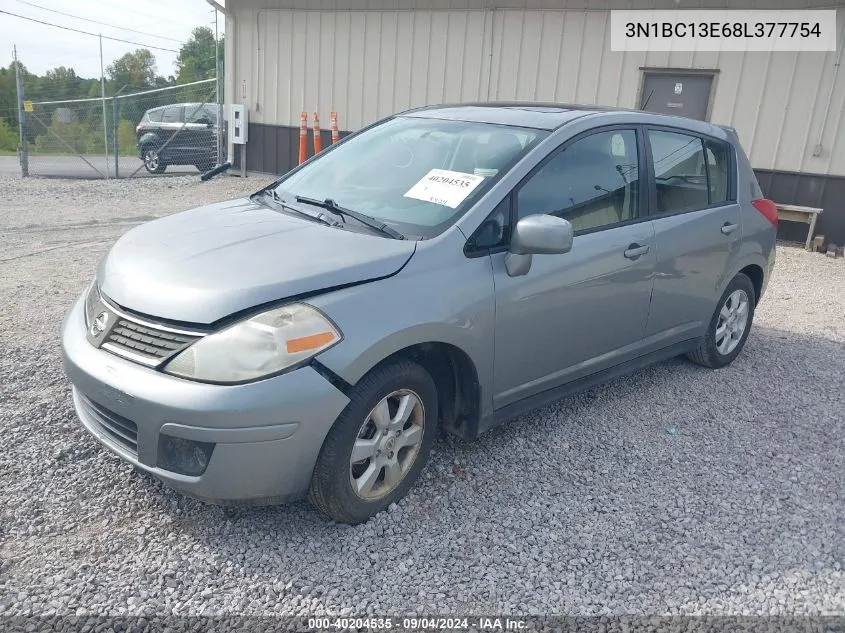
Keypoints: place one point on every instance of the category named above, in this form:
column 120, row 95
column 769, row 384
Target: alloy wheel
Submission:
column 151, row 159
column 733, row 319
column 387, row 444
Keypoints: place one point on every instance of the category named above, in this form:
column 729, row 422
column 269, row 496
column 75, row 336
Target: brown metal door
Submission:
column 678, row 94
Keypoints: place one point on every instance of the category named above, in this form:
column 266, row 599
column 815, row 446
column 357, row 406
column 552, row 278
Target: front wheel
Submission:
column 152, row 161
column 729, row 326
column 378, row 445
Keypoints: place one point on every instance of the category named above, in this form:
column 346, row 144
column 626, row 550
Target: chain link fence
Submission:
column 177, row 129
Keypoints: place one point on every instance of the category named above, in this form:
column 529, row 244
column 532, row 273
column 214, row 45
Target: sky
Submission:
column 41, row 47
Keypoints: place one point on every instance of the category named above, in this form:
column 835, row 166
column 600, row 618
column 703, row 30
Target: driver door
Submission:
column 200, row 139
column 580, row 312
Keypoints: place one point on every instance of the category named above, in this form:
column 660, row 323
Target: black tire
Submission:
column 152, row 163
column 331, row 490
column 707, row 353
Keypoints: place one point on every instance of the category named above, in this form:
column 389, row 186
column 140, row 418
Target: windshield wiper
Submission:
column 364, row 219
column 322, row 218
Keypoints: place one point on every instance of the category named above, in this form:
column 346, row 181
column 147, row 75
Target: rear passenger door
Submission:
column 171, row 128
column 697, row 230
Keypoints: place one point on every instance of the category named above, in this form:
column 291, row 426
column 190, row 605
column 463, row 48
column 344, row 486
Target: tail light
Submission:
column 768, row 209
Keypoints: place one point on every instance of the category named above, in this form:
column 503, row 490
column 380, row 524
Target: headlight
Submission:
column 265, row 344
column 92, row 296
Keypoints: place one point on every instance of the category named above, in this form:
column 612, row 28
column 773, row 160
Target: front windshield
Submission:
column 414, row 174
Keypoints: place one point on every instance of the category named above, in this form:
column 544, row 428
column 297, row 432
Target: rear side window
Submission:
column 717, row 168
column 679, row 171
column 172, row 114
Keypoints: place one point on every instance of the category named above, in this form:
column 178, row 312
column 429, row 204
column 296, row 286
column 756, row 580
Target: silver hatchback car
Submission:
column 449, row 267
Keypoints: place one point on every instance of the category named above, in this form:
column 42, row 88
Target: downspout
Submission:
column 229, row 67
column 817, row 150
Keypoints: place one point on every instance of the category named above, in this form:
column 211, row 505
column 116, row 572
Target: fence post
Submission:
column 23, row 151
column 217, row 91
column 103, row 95
column 115, row 141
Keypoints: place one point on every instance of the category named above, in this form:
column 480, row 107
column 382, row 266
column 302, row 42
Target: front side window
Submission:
column 415, row 174
column 680, row 174
column 594, row 182
column 495, row 231
column 210, row 112
column 173, row 114
column 196, row 113
column 153, row 116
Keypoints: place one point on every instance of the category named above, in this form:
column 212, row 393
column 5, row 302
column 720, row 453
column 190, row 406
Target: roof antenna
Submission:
column 647, row 99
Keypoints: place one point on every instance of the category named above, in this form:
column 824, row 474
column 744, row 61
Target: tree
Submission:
column 196, row 57
column 8, row 95
column 136, row 69
column 60, row 83
column 8, row 137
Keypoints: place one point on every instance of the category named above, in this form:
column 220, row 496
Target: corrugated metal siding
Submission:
column 592, row 5
column 366, row 64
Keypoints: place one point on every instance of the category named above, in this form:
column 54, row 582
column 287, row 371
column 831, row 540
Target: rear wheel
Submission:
column 729, row 326
column 379, row 444
column 152, row 161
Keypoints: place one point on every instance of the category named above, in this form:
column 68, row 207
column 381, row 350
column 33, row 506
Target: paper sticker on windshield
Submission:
column 445, row 187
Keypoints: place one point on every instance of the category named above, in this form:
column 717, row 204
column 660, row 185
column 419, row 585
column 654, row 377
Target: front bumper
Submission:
column 267, row 434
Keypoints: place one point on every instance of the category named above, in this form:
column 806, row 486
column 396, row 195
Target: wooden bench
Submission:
column 807, row 215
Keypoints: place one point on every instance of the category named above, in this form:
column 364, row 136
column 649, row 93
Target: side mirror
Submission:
column 537, row 235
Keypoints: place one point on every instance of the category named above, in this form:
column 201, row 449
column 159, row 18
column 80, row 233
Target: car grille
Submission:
column 140, row 339
column 124, row 432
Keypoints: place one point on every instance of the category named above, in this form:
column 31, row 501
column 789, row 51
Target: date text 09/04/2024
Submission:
column 416, row 623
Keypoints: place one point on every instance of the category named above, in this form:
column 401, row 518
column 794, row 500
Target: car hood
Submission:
column 207, row 263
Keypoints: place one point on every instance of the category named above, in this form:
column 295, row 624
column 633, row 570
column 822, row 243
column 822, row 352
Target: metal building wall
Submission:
column 367, row 64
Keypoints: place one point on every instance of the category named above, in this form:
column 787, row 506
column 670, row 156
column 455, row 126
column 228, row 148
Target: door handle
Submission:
column 728, row 228
column 635, row 250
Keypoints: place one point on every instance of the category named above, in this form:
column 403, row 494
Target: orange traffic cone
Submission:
column 318, row 142
column 303, row 136
column 335, row 131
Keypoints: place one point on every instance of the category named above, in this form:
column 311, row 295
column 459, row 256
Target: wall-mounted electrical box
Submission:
column 239, row 125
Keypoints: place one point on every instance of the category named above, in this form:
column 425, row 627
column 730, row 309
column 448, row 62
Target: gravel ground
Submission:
column 587, row 506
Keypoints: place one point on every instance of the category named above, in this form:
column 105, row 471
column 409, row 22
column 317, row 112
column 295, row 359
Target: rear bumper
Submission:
column 266, row 435
column 771, row 267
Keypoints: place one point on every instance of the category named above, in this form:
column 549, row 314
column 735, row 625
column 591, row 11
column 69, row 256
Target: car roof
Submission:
column 550, row 116
column 178, row 105
column 543, row 116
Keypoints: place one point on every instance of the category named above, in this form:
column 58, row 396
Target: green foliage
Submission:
column 136, row 70
column 196, row 57
column 126, row 138
column 8, row 137
column 81, row 137
column 8, row 98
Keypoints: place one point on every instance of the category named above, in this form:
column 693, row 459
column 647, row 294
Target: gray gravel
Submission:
column 587, row 506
